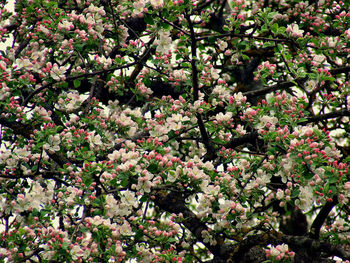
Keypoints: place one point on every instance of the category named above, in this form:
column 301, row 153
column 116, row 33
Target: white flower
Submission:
column 4, row 92
column 347, row 33
column 47, row 254
column 267, row 121
column 213, row 190
column 95, row 140
column 43, row 29
column 239, row 98
column 274, row 252
column 333, row 153
column 96, row 9
column 53, row 143
column 222, row 45
column 225, row 205
column 65, row 24
column 306, row 198
column 279, row 194
column 220, row 117
column 172, row 176
column 332, row 42
column 125, row 229
column 214, row 73
column 294, row 30
column 23, row 63
column 175, row 122
column 129, row 198
column 105, row 61
column 76, row 252
column 157, row 3
column 179, row 75
column 132, row 131
column 318, row 59
column 139, row 7
column 57, row 72
column 163, row 42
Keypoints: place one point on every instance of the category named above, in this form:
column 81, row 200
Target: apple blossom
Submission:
column 57, row 72
column 163, row 42
column 174, row 131
column 294, row 30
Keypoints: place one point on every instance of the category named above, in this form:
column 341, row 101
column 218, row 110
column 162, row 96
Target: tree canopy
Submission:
column 175, row 131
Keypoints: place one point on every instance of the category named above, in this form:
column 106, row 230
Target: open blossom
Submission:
column 238, row 98
column 179, row 75
column 35, row 198
column 23, row 63
column 214, row 73
column 267, row 121
column 306, row 197
column 76, row 252
column 70, row 101
column 294, row 30
column 4, row 92
column 95, row 140
column 220, row 117
column 163, row 42
column 95, row 9
column 222, row 45
column 139, row 7
column 53, row 143
column 318, row 60
column 280, row 252
column 43, row 29
column 157, row 3
column 176, row 121
column 65, row 24
column 347, row 33
column 129, row 198
column 57, row 72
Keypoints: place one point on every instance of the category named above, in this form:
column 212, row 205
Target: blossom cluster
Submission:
column 173, row 131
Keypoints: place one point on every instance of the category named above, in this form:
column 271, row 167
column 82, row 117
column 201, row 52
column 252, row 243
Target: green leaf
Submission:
column 308, row 175
column 332, row 179
column 165, row 26
column 274, row 28
column 242, row 45
column 34, row 168
column 144, row 198
column 211, row 40
column 124, row 182
column 280, row 46
column 88, row 180
column 65, row 245
column 268, row 44
column 76, row 83
column 149, row 20
column 21, row 231
column 281, row 30
column 152, row 168
column 295, row 193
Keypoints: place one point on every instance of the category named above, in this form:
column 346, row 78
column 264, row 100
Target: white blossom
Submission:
column 294, row 30
column 157, row 3
column 57, row 72
column 163, row 42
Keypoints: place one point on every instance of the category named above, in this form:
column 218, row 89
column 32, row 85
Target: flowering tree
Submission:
column 175, row 131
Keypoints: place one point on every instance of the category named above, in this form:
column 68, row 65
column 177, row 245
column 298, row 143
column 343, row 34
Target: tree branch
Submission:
column 173, row 202
column 247, row 138
column 321, row 217
column 25, row 131
column 278, row 86
column 18, row 128
column 326, row 116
